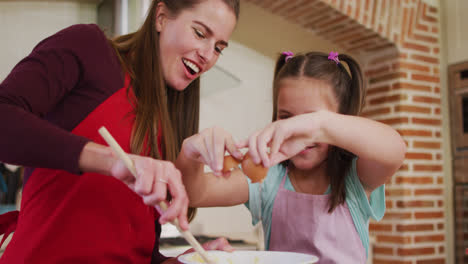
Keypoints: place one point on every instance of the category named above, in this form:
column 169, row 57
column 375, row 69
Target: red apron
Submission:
column 88, row 218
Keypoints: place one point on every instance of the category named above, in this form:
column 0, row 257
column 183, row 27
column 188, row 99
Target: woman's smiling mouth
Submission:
column 191, row 67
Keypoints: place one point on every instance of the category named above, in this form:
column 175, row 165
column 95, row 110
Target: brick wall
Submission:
column 397, row 42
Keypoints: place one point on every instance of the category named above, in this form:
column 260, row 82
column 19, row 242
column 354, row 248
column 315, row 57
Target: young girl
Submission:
column 332, row 163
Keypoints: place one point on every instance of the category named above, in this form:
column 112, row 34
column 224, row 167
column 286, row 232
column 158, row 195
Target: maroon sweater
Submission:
column 50, row 92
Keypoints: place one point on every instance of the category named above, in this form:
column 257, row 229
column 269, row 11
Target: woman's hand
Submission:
column 285, row 138
column 154, row 178
column 218, row 244
column 208, row 147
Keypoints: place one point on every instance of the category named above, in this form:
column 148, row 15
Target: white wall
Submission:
column 23, row 24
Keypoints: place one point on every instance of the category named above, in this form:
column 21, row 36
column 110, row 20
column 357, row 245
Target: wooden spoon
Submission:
column 119, row 152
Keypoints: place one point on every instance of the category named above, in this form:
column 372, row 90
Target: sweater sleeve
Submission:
column 36, row 85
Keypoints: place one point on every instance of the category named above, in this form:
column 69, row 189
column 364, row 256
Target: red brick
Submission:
column 436, row 50
column 373, row 227
column 425, row 78
column 431, row 261
column 385, row 261
column 414, row 204
column 414, row 180
column 412, row 66
column 428, row 191
column 418, row 156
column 383, row 250
column 412, row 109
column 428, row 39
column 415, row 251
column 389, row 76
column 415, row 133
column 430, row 168
column 378, row 89
column 401, row 216
column 414, row 46
column 435, row 30
column 378, row 111
column 441, row 249
column 430, row 19
column 409, row 86
column 388, row 99
column 397, row 192
column 428, row 215
column 426, row 121
column 426, row 99
column 429, row 238
column 389, row 204
column 425, row 59
column 427, row 145
column 422, row 27
column 440, row 180
column 395, row 121
column 404, row 167
column 393, row 239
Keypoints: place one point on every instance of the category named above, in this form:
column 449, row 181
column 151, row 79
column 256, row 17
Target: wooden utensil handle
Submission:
column 120, row 153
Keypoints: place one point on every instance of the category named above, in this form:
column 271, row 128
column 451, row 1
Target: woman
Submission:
column 144, row 87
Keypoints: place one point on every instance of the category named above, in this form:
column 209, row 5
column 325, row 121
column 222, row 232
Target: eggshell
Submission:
column 256, row 172
column 229, row 163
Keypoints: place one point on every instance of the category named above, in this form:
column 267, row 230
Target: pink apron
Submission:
column 301, row 223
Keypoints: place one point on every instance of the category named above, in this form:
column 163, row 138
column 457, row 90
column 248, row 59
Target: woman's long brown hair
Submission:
column 157, row 106
column 349, row 90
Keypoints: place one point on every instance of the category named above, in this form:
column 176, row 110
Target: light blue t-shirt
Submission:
column 360, row 207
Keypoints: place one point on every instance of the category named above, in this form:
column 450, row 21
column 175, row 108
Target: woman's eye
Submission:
column 283, row 117
column 199, row 33
column 219, row 50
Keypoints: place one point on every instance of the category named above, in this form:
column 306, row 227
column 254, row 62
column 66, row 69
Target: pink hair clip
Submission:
column 289, row 55
column 334, row 57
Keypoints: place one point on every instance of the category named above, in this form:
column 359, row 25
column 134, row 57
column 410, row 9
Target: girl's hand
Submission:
column 154, row 178
column 218, row 244
column 286, row 138
column 209, row 146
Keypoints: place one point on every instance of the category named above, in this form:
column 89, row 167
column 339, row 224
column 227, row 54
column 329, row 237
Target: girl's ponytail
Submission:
column 357, row 92
column 280, row 63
